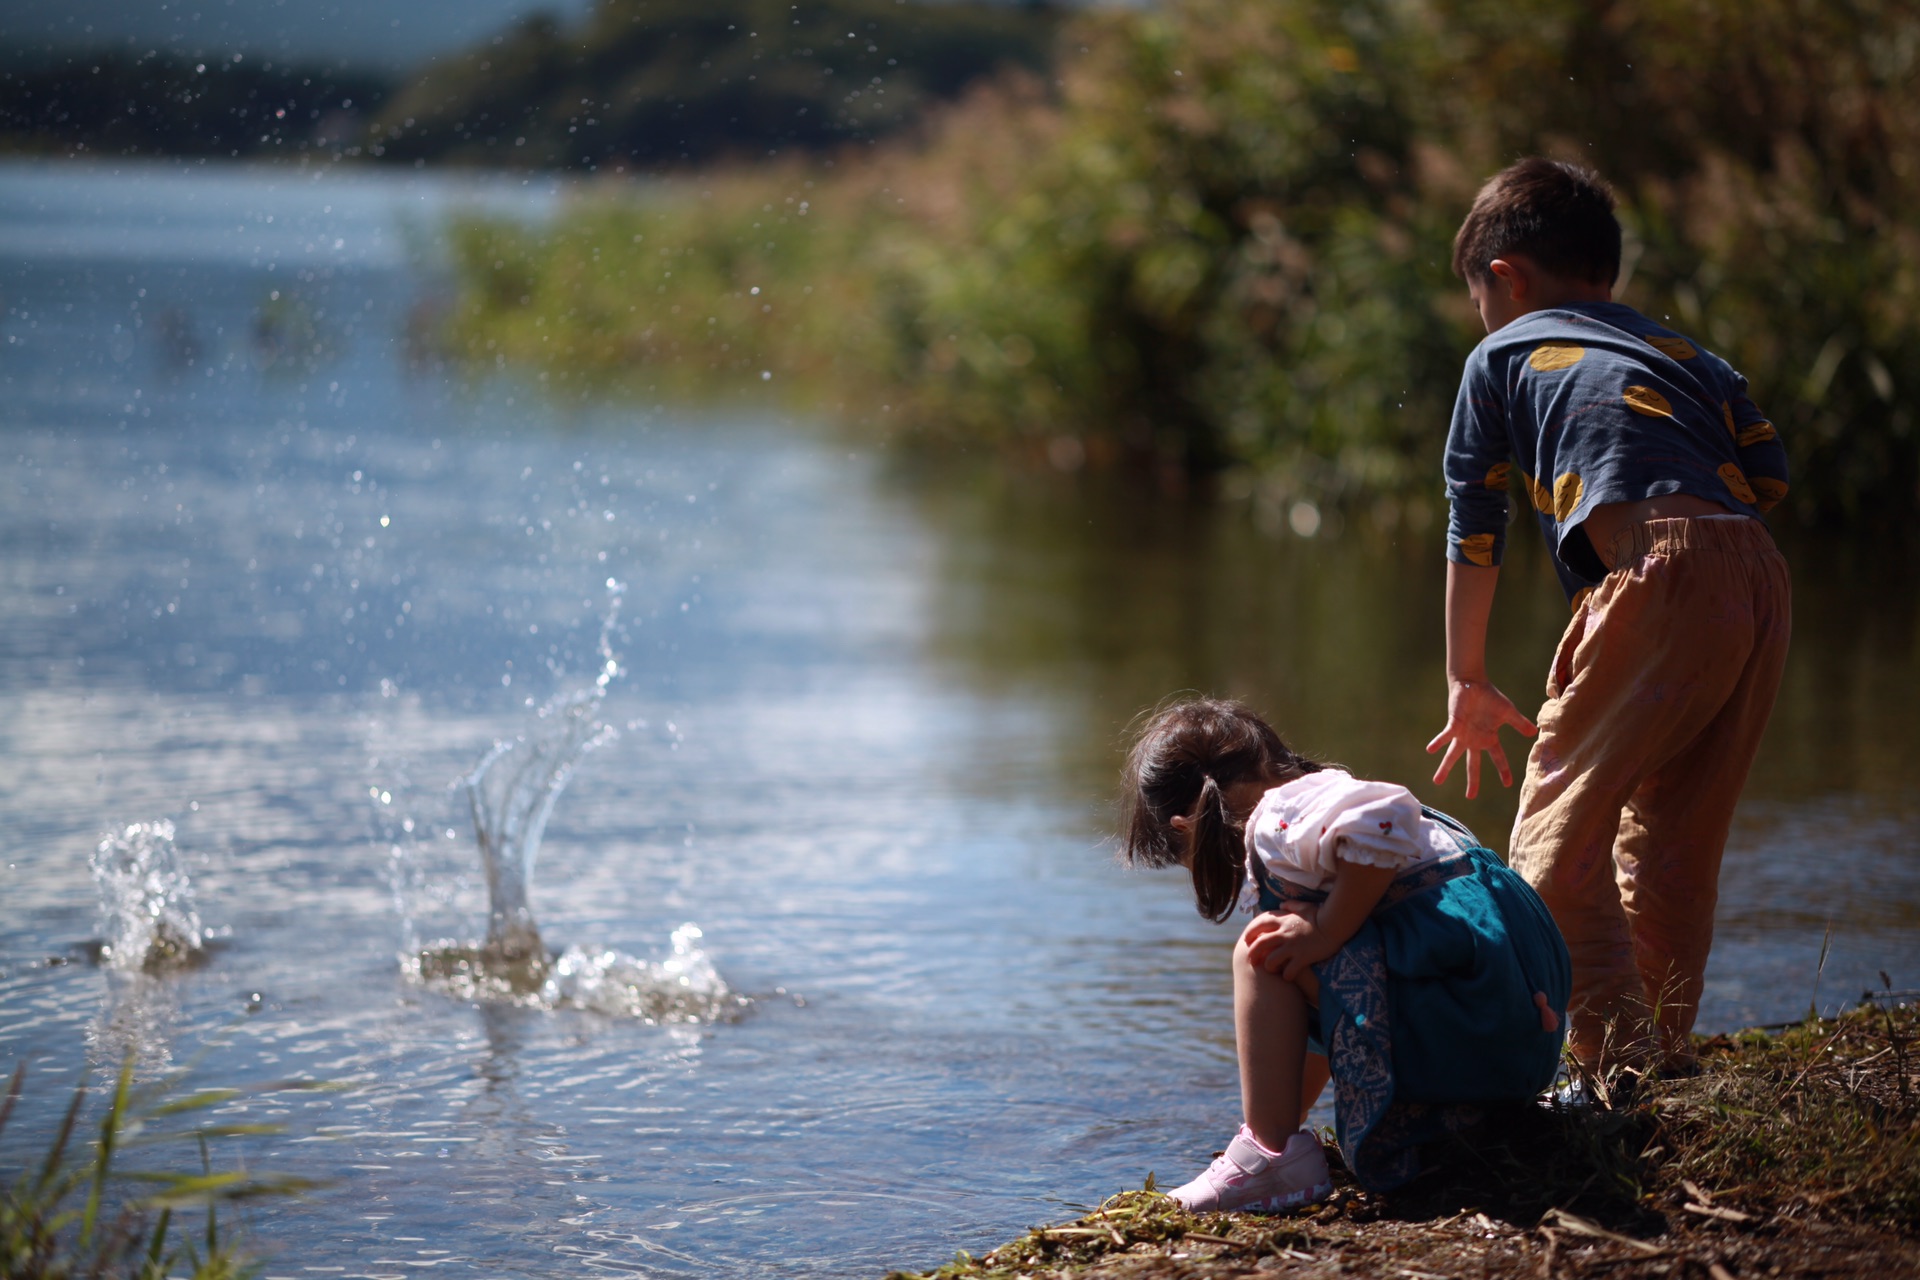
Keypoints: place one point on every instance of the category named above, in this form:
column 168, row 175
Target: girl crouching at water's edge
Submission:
column 1392, row 951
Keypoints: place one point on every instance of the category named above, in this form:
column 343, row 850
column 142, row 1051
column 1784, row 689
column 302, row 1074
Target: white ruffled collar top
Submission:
column 1301, row 831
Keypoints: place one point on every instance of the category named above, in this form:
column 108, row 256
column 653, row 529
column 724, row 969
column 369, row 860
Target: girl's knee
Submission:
column 1250, row 974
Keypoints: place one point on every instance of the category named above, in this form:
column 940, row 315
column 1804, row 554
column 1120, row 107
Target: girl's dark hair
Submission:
column 1559, row 214
column 1186, row 757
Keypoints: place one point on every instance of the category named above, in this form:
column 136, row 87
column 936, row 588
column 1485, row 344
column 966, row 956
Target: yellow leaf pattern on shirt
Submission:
column 1758, row 433
column 1678, row 348
column 1541, row 495
column 1566, row 496
column 1648, row 401
column 1737, row 483
column 1770, row 491
column 1497, row 475
column 1549, row 356
column 1478, row 549
column 1558, row 501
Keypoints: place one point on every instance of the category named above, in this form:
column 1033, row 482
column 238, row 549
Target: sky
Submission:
column 371, row 34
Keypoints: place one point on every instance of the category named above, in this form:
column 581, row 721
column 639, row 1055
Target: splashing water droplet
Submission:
column 148, row 917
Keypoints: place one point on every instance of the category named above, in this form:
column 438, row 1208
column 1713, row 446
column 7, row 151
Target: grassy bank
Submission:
column 1789, row 1154
column 1211, row 242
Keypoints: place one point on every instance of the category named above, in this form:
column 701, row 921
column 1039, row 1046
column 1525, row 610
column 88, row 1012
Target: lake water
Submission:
column 273, row 574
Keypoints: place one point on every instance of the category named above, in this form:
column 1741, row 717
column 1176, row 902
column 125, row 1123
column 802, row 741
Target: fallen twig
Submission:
column 1581, row 1226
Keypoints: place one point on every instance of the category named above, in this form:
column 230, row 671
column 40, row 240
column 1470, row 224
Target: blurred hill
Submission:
column 645, row 83
column 151, row 103
column 637, row 84
column 379, row 36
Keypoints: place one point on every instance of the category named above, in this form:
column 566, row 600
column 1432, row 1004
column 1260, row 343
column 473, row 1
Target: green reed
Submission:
column 90, row 1206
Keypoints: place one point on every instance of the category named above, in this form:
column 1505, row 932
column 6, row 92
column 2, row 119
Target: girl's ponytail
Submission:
column 1214, row 852
column 1185, row 759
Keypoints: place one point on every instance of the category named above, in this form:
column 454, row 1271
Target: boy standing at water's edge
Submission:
column 1649, row 468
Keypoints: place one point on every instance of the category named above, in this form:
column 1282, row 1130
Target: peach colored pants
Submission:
column 1658, row 696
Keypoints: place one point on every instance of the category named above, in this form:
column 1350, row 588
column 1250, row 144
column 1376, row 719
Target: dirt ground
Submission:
column 1790, row 1154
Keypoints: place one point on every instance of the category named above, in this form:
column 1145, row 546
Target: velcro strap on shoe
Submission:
column 1247, row 1155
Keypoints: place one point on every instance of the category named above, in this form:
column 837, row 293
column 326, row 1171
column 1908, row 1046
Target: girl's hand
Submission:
column 1288, row 942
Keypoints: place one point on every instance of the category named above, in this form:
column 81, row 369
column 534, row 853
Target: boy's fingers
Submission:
column 1473, row 774
column 1440, row 738
column 1446, row 764
column 1499, row 754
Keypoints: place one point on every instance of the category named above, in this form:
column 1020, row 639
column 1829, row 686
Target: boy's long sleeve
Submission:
column 1477, row 465
column 1763, row 456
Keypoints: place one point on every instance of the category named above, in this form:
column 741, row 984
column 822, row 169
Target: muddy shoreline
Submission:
column 1793, row 1152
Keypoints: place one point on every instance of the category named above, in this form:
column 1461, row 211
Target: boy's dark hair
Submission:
column 1185, row 758
column 1558, row 214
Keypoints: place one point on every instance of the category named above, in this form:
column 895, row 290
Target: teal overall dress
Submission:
column 1428, row 1009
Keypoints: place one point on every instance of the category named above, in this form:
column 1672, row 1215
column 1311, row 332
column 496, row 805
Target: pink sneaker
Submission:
column 1250, row 1178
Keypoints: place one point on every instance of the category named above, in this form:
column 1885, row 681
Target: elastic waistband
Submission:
column 1694, row 533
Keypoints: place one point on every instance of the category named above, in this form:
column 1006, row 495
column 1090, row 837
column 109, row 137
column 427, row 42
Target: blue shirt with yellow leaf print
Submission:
column 1594, row 403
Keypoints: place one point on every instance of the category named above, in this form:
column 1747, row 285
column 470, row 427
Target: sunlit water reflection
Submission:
column 275, row 577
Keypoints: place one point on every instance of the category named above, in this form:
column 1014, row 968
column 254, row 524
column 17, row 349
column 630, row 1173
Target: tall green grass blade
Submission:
column 57, row 1153
column 207, row 1131
column 1826, row 945
column 103, row 1158
column 213, row 1221
column 13, row 1095
column 196, row 1101
column 157, row 1247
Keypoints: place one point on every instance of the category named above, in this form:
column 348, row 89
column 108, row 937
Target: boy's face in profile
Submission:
column 1494, row 297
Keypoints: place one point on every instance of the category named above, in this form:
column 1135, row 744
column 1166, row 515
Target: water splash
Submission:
column 149, row 921
column 685, row 987
column 511, row 793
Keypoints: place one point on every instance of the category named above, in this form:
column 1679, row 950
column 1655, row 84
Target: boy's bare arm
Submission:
column 1476, row 710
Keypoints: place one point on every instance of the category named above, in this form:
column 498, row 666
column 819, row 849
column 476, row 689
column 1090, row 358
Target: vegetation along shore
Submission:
column 1792, row 1153
column 1209, row 242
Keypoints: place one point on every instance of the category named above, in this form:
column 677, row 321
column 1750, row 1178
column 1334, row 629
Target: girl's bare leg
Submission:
column 1270, row 1031
column 1316, row 1073
column 1313, row 1080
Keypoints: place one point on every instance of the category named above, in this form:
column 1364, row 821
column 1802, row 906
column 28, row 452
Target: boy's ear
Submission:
column 1180, row 822
column 1513, row 277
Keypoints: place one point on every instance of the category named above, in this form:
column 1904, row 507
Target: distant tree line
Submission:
column 1215, row 243
column 650, row 83
column 639, row 84
column 117, row 103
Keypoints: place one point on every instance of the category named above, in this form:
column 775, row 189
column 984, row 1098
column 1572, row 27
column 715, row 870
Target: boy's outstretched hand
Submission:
column 1476, row 710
